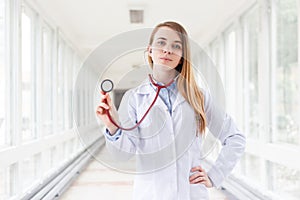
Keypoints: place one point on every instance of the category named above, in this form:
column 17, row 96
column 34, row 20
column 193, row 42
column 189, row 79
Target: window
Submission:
column 36, row 76
column 68, row 60
column 216, row 54
column 53, row 157
column 271, row 93
column 255, row 176
column 3, row 179
column 286, row 181
column 64, row 155
column 230, row 69
column 250, row 33
column 287, row 92
column 8, row 185
column 286, row 95
column 30, row 171
column 47, row 73
column 3, row 78
column 60, row 84
column 27, row 78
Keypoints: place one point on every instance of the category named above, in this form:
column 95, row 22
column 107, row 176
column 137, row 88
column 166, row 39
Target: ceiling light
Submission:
column 136, row 16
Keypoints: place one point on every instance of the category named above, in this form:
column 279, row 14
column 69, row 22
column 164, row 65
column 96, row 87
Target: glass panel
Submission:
column 60, row 83
column 12, row 181
column 47, row 35
column 53, row 157
column 31, row 171
column 3, row 78
column 65, row 151
column 76, row 66
column 251, row 65
column 37, row 166
column 3, row 192
column 27, row 79
column 70, row 89
column 216, row 51
column 27, row 173
column 230, row 56
column 46, row 155
column 254, row 176
column 67, row 85
column 287, row 73
column 286, row 182
column 71, row 147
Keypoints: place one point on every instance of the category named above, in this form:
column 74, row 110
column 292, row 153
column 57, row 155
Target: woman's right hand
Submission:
column 106, row 105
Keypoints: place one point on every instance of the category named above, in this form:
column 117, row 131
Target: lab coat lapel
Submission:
column 159, row 102
column 146, row 89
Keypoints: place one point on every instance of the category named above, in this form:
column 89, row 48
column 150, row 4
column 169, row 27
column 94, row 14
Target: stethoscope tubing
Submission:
column 159, row 87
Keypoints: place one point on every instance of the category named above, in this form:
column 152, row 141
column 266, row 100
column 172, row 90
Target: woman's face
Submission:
column 166, row 49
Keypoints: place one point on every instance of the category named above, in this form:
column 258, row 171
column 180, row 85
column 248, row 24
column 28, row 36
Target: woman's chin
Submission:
column 165, row 67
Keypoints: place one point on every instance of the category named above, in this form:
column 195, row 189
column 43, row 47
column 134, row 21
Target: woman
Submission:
column 167, row 144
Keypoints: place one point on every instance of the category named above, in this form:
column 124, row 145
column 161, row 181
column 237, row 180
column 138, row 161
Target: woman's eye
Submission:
column 177, row 46
column 161, row 43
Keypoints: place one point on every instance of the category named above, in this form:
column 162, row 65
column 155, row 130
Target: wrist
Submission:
column 112, row 130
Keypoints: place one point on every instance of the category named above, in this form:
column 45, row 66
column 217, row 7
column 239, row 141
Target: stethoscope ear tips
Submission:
column 107, row 85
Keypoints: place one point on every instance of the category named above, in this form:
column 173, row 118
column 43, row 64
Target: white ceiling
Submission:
column 87, row 23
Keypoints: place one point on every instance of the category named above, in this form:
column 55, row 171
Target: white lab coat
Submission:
column 166, row 146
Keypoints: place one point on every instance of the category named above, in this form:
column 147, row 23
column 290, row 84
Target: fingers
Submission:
column 108, row 98
column 196, row 175
column 199, row 176
column 101, row 109
column 197, row 168
column 103, row 103
column 200, row 179
column 105, row 97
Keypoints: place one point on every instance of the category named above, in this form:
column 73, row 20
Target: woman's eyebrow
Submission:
column 162, row 38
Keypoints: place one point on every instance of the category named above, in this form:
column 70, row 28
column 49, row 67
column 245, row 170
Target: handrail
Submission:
column 58, row 182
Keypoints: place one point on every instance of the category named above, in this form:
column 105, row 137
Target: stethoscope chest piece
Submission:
column 107, row 85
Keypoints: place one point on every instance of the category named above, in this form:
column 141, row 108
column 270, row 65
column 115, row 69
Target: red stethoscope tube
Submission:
column 159, row 87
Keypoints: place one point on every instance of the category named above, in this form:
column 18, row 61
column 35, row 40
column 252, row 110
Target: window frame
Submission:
column 264, row 149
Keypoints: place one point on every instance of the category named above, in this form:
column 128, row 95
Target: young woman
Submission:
column 167, row 144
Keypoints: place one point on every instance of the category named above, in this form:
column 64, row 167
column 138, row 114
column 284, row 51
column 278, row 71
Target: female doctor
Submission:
column 167, row 143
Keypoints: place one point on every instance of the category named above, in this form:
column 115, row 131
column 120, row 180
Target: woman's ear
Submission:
column 149, row 49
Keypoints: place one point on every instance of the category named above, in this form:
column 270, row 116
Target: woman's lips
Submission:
column 166, row 59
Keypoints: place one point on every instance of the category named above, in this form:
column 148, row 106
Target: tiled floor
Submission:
column 99, row 182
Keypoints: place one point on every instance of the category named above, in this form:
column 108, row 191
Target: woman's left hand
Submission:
column 200, row 176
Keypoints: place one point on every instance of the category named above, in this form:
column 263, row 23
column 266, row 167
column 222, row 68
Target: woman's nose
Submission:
column 167, row 50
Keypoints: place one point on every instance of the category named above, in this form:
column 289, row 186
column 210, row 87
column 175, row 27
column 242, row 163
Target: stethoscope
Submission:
column 107, row 86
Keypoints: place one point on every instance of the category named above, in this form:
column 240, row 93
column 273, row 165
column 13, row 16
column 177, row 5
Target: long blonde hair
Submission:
column 186, row 83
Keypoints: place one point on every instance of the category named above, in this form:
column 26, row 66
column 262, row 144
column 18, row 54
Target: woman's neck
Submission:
column 164, row 76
